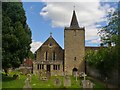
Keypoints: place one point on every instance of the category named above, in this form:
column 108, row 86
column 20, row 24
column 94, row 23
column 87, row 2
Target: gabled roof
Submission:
column 48, row 41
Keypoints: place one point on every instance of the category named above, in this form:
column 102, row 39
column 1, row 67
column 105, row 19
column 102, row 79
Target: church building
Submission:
column 57, row 61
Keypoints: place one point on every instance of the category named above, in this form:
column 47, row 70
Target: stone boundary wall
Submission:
column 114, row 77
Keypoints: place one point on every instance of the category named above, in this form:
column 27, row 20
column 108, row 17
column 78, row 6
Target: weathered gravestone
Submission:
column 57, row 82
column 48, row 75
column 27, row 85
column 87, row 84
column 42, row 75
column 67, row 81
column 84, row 75
column 29, row 77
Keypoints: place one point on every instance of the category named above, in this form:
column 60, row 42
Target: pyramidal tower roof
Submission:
column 74, row 22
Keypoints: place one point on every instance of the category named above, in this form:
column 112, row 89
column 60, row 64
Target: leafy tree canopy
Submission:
column 107, row 59
column 16, row 35
column 110, row 33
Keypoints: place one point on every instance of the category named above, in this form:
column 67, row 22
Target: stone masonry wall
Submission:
column 74, row 50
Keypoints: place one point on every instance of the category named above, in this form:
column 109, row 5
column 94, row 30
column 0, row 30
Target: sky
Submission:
column 45, row 17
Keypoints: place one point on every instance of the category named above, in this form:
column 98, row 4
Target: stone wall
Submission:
column 74, row 50
column 50, row 53
column 93, row 72
column 52, row 71
column 57, row 72
column 54, row 48
column 113, row 76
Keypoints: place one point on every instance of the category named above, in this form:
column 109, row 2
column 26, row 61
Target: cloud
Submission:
column 60, row 13
column 95, row 41
column 35, row 45
column 89, row 15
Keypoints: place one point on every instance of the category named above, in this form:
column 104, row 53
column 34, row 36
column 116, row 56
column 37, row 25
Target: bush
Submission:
column 105, row 60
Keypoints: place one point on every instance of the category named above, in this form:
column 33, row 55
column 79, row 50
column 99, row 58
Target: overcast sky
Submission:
column 45, row 17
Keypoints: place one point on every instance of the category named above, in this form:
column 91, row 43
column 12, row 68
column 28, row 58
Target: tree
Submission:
column 107, row 59
column 31, row 55
column 111, row 32
column 16, row 35
column 103, row 60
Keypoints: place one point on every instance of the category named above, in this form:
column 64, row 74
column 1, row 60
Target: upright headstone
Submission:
column 67, row 81
column 27, row 85
column 29, row 77
column 57, row 82
column 87, row 84
column 48, row 74
column 42, row 75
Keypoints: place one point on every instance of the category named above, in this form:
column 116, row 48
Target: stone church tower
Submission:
column 74, row 43
column 53, row 60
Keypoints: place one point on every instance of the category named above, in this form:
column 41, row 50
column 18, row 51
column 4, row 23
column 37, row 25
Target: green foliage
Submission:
column 110, row 32
column 105, row 59
column 31, row 55
column 16, row 35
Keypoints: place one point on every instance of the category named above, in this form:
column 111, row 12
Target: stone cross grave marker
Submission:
column 76, row 74
column 67, row 81
column 84, row 75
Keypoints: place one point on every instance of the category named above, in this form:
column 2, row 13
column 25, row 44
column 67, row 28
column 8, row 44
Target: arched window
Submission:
column 54, row 56
column 75, row 70
column 46, row 55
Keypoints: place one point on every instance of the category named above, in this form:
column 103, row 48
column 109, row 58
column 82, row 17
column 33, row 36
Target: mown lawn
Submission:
column 9, row 82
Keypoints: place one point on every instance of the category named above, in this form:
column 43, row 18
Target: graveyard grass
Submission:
column 9, row 82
